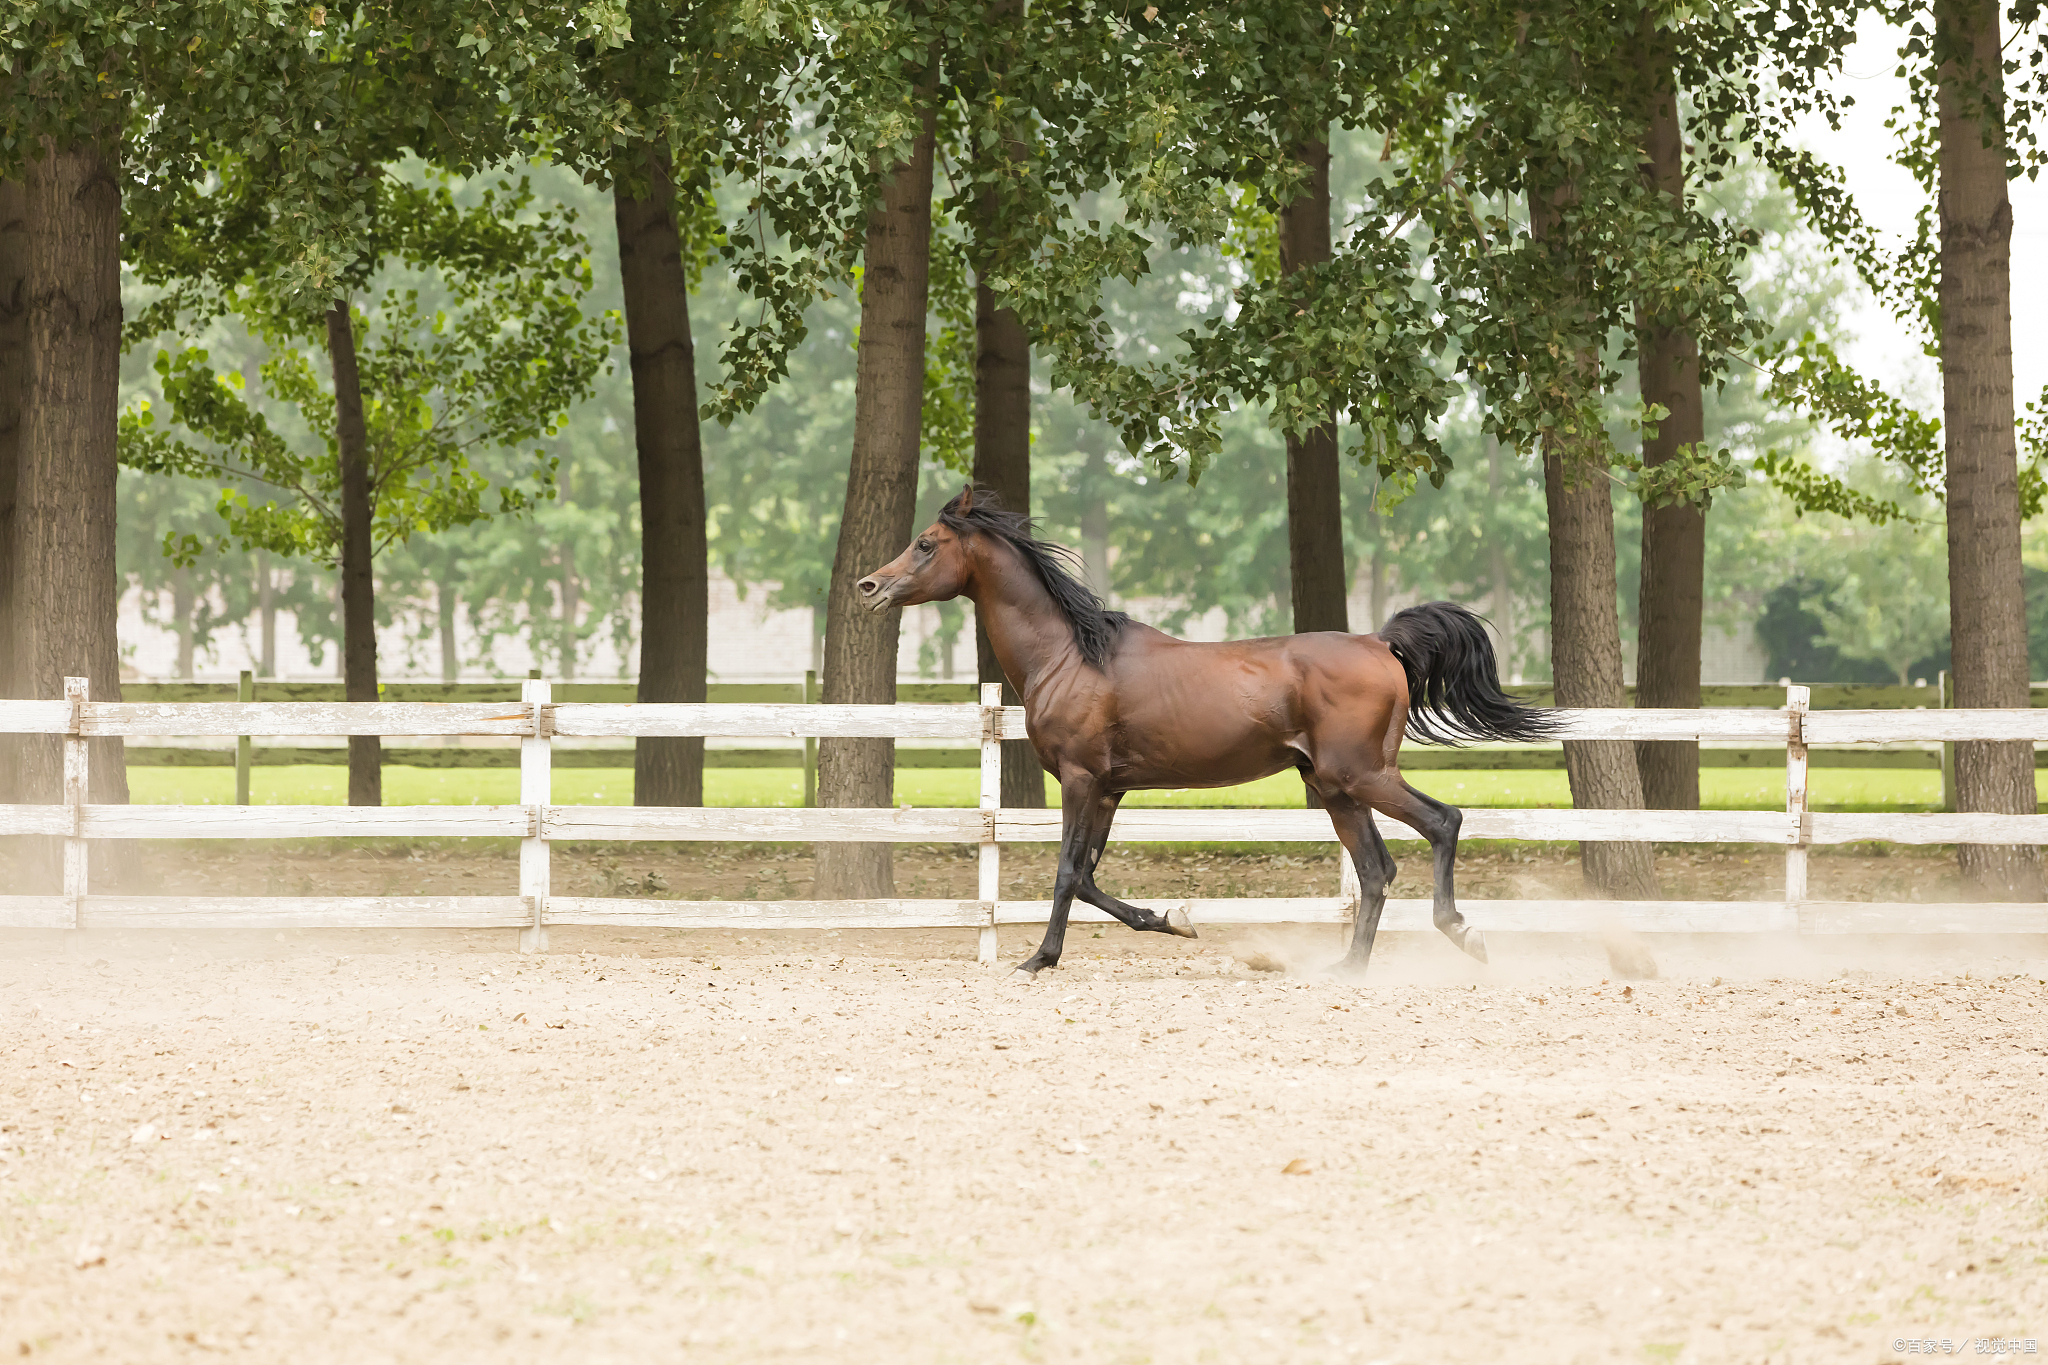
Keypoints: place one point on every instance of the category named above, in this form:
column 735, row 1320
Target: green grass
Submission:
column 1722, row 788
column 1834, row 789
column 328, row 785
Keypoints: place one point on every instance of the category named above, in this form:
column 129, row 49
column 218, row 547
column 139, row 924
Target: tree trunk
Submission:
column 266, row 617
column 881, row 504
column 1002, row 462
column 1095, row 522
column 65, row 503
column 1585, row 658
column 572, row 596
column 1585, row 615
column 1315, row 502
column 1378, row 588
column 571, row 605
column 181, row 612
column 1989, row 620
column 446, row 603
column 358, row 588
column 14, row 372
column 1002, row 420
column 1497, row 569
column 675, row 599
column 1674, row 538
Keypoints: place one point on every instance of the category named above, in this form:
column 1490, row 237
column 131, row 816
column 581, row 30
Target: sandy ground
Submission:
column 862, row 1147
column 783, row 872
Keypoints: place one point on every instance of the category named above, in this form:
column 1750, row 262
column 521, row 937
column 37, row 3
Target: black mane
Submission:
column 1095, row 627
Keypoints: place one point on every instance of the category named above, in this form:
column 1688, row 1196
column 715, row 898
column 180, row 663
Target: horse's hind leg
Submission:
column 1173, row 922
column 1438, row 823
column 1379, row 847
column 1368, row 853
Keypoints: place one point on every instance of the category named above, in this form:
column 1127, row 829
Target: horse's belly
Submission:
column 1220, row 754
column 1157, row 779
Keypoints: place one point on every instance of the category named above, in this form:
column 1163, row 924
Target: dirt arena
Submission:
column 863, row 1147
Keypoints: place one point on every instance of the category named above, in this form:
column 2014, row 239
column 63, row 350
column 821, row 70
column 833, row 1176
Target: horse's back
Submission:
column 1200, row 713
column 1303, row 675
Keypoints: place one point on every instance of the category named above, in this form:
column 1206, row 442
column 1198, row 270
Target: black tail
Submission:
column 1454, row 693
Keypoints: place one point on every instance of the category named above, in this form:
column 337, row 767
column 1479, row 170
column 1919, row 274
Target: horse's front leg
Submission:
column 1174, row 921
column 1080, row 811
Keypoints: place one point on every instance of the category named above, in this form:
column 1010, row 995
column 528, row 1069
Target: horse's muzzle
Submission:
column 877, row 594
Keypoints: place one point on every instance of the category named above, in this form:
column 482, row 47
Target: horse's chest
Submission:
column 1090, row 734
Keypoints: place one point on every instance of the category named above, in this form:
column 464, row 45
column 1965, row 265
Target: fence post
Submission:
column 536, row 792
column 991, row 870
column 77, row 691
column 245, row 691
column 810, row 742
column 1797, row 700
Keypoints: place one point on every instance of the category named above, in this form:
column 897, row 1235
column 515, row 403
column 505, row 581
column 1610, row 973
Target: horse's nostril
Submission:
column 867, row 587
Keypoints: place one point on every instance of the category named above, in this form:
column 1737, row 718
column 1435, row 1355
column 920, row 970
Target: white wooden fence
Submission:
column 537, row 822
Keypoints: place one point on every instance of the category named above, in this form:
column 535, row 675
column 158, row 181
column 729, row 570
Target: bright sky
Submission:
column 1889, row 199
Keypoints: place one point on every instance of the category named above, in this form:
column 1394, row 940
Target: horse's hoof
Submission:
column 1178, row 923
column 1349, row 970
column 1475, row 944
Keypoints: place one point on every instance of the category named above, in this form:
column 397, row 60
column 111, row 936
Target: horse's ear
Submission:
column 967, row 500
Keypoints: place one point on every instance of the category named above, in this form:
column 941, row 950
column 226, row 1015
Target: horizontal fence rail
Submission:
column 1871, row 727
column 726, row 720
column 620, row 756
column 1761, row 696
column 536, row 720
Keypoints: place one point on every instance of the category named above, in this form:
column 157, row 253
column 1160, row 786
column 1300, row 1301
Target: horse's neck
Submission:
column 1025, row 628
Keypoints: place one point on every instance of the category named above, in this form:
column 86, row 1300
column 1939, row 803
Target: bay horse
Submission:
column 1114, row 706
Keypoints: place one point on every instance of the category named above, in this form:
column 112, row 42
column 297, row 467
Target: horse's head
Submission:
column 933, row 569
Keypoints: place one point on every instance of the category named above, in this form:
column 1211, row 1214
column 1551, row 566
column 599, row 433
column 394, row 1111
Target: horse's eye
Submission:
column 924, row 547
